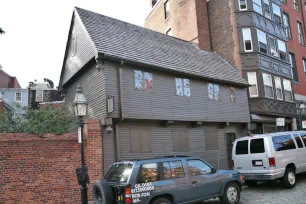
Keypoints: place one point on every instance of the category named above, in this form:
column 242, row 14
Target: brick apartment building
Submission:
column 7, row 81
column 252, row 36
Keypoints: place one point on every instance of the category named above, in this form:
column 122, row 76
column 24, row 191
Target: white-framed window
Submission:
column 214, row 92
column 278, row 88
column 247, row 40
column 167, row 9
column 243, row 5
column 262, row 41
column 253, row 89
column 287, row 24
column 143, row 80
column 300, row 33
column 304, row 64
column 182, row 87
column 257, row 6
column 296, row 5
column 268, row 85
column 169, row 32
column 18, row 97
column 282, row 49
column 277, row 13
column 273, row 47
column 267, row 8
column 287, row 90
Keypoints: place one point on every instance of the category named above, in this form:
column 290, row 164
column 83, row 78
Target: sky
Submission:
column 34, row 44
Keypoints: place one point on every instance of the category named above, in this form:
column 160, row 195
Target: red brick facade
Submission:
column 6, row 81
column 42, row 170
column 294, row 45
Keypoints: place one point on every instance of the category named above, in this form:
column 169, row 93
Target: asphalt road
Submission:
column 272, row 193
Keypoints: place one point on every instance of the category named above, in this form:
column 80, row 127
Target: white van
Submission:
column 270, row 157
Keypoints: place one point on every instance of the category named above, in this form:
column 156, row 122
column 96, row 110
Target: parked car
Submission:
column 167, row 180
column 271, row 157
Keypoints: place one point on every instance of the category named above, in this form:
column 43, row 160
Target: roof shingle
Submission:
column 126, row 41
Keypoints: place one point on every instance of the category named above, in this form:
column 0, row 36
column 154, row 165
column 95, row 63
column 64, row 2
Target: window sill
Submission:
column 295, row 82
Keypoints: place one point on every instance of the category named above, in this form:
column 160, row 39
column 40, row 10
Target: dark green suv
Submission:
column 167, row 180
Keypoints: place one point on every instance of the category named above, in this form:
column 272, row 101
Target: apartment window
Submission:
column 296, row 5
column 262, row 40
column 276, row 13
column 18, row 97
column 278, row 87
column 143, row 81
column 247, row 40
column 242, row 5
column 293, row 67
column 300, row 33
column 257, row 6
column 282, row 50
column 304, row 64
column 182, row 87
column 273, row 49
column 267, row 9
column 287, row 90
column 180, row 141
column 253, row 89
column 167, row 9
column 287, row 24
column 268, row 85
column 211, row 140
column 169, row 32
column 140, row 140
column 214, row 92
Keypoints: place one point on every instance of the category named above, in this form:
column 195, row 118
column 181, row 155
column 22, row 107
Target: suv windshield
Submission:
column 119, row 172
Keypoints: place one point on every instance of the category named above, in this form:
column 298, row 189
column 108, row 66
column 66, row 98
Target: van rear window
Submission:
column 242, row 147
column 257, row 146
column 284, row 142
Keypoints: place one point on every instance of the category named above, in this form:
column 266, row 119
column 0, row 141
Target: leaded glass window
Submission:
column 143, row 80
column 233, row 94
column 182, row 87
column 214, row 92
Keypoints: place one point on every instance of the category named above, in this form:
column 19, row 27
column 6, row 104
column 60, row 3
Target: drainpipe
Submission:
column 121, row 91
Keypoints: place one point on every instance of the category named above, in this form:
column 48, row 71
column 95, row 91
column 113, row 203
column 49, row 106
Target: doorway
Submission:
column 230, row 139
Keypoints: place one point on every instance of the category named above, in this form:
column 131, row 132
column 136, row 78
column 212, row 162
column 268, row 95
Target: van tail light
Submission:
column 272, row 162
column 128, row 196
column 233, row 163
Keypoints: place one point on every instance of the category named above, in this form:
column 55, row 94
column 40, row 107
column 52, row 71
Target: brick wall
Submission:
column 42, row 170
column 6, row 80
column 1, row 106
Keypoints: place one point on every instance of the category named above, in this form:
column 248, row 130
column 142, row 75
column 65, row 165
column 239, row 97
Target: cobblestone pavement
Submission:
column 272, row 193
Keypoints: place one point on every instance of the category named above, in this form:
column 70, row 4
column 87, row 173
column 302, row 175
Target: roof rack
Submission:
column 172, row 156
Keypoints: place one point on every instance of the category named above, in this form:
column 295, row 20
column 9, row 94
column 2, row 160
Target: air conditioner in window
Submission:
column 274, row 53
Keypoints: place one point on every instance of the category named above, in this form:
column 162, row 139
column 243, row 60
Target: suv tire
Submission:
column 231, row 194
column 289, row 179
column 161, row 201
column 102, row 192
column 251, row 183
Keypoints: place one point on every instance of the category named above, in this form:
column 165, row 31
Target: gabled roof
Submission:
column 121, row 40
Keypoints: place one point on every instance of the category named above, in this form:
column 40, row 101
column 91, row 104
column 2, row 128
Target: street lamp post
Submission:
column 80, row 109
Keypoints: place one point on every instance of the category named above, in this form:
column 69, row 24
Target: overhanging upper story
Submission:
column 136, row 73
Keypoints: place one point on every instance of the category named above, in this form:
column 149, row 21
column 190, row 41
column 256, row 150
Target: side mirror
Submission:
column 214, row 170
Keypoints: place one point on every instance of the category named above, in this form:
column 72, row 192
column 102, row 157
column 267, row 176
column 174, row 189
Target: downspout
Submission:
column 121, row 98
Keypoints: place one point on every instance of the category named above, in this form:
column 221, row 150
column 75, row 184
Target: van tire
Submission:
column 250, row 183
column 102, row 193
column 225, row 198
column 161, row 200
column 289, row 179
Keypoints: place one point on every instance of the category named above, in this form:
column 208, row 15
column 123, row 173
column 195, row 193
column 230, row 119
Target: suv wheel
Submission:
column 231, row 194
column 251, row 183
column 289, row 179
column 102, row 193
column 161, row 201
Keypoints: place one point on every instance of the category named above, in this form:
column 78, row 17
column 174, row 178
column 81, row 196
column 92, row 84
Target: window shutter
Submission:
column 184, row 146
column 135, row 141
column 145, row 141
column 211, row 139
column 176, row 140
